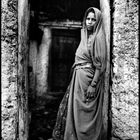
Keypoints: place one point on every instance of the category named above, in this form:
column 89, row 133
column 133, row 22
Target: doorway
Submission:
column 63, row 19
column 62, row 53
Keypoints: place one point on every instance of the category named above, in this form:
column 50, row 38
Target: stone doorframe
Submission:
column 105, row 9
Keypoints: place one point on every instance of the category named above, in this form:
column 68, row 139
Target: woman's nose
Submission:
column 90, row 21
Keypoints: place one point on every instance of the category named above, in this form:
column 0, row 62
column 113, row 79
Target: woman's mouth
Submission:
column 89, row 27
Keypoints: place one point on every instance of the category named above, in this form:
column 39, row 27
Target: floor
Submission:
column 43, row 121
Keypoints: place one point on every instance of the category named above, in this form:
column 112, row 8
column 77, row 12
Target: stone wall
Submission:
column 9, row 69
column 125, row 70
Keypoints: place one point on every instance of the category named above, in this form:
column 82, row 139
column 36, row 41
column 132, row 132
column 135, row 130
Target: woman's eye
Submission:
column 92, row 19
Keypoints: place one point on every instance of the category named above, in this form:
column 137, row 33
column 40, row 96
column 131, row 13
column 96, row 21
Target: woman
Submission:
column 80, row 112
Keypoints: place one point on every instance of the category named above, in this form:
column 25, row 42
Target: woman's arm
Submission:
column 95, row 78
column 91, row 89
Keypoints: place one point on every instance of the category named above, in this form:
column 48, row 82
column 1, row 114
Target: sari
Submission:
column 77, row 119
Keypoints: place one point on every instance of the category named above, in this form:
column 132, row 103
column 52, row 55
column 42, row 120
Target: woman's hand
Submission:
column 90, row 94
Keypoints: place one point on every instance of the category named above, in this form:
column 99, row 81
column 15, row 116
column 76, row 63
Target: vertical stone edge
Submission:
column 23, row 47
column 105, row 9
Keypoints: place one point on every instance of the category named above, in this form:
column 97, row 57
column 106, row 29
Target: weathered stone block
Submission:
column 9, row 72
column 125, row 81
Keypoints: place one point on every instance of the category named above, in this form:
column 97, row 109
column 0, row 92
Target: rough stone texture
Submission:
column 23, row 37
column 9, row 69
column 14, row 69
column 125, row 78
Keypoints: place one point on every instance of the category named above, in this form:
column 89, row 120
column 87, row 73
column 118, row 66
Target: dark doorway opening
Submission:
column 64, row 42
column 61, row 56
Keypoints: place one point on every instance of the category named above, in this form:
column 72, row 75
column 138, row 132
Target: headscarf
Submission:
column 98, row 49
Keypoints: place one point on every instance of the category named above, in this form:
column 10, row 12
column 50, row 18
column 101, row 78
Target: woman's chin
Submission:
column 89, row 28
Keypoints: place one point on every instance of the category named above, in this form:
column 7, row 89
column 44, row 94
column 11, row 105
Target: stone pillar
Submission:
column 105, row 9
column 15, row 18
column 22, row 87
column 42, row 63
column 9, row 45
column 125, row 70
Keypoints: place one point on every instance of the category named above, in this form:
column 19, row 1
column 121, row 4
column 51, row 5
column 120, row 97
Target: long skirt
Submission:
column 77, row 119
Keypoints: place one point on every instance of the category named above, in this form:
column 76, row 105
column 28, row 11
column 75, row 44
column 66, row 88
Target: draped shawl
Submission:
column 98, row 49
column 85, row 121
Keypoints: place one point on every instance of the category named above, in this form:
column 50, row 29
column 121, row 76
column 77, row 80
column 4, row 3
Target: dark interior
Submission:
column 64, row 42
column 62, row 53
column 51, row 10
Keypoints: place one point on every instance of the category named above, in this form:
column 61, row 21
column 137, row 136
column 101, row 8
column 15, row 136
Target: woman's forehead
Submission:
column 91, row 14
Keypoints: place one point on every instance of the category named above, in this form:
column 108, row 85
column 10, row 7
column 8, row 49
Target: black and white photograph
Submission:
column 69, row 70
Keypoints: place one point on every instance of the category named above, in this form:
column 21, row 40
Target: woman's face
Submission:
column 90, row 20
